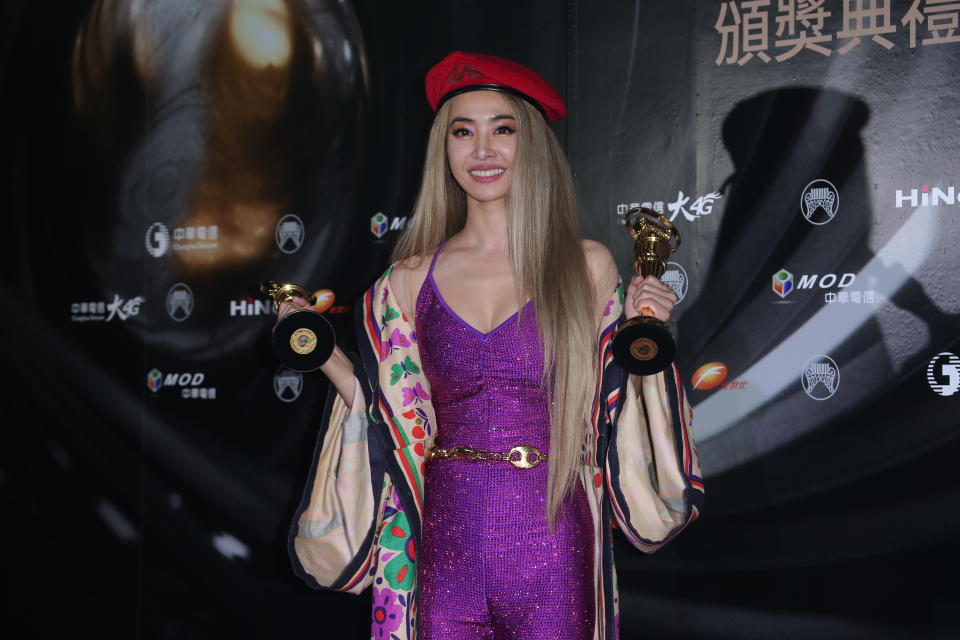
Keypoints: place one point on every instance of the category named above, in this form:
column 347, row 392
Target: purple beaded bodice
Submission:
column 486, row 387
column 489, row 565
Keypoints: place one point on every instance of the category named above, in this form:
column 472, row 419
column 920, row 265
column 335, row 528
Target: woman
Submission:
column 470, row 473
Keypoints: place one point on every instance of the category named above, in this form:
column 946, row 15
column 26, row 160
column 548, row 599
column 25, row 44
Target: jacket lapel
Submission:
column 401, row 407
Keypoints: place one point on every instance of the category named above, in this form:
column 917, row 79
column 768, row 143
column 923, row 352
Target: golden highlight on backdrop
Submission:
column 224, row 115
column 169, row 156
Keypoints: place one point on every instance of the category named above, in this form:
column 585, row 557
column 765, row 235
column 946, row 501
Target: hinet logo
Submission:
column 251, row 307
column 926, row 197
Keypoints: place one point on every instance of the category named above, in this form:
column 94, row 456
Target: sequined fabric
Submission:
column 489, row 567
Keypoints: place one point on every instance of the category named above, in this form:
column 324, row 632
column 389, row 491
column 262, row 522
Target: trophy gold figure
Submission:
column 303, row 340
column 643, row 345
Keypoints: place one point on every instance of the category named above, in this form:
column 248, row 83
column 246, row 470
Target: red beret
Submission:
column 460, row 72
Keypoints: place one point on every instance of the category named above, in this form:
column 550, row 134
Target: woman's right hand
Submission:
column 338, row 367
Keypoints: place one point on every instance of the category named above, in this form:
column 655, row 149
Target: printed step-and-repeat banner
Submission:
column 170, row 155
column 806, row 151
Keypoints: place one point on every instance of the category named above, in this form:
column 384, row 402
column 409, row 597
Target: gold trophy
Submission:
column 303, row 339
column 643, row 345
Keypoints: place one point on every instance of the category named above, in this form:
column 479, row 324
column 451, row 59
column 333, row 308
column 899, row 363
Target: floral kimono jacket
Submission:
column 358, row 524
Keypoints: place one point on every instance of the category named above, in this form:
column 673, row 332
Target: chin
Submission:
column 485, row 195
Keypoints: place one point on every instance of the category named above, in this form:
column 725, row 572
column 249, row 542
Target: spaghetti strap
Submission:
column 429, row 284
column 433, row 263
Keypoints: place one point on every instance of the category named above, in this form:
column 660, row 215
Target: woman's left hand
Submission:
column 649, row 294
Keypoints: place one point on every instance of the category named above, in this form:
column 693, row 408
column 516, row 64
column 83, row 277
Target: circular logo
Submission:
column 325, row 298
column 709, row 375
column 819, row 202
column 303, row 341
column 180, row 302
column 820, row 377
column 158, row 239
column 675, row 277
column 289, row 233
column 287, row 384
column 943, row 373
column 643, row 349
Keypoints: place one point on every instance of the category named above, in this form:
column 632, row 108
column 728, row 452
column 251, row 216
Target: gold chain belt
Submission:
column 522, row 457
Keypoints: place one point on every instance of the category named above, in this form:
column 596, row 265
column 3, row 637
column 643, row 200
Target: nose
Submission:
column 482, row 147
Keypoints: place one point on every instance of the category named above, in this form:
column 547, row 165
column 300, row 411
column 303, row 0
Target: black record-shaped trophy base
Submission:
column 303, row 340
column 644, row 346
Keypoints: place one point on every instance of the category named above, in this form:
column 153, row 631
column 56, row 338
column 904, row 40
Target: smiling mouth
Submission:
column 486, row 173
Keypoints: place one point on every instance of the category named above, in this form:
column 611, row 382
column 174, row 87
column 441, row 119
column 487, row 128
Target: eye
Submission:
column 504, row 130
column 460, row 132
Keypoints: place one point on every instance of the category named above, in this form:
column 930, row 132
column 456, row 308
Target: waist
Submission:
column 522, row 456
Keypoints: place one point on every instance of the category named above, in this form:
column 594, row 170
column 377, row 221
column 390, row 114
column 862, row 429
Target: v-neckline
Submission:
column 459, row 318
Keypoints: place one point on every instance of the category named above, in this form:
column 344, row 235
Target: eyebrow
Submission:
column 497, row 117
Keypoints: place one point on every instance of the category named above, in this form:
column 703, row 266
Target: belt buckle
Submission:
column 525, row 452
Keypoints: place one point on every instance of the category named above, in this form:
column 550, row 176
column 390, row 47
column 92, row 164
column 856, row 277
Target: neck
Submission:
column 486, row 226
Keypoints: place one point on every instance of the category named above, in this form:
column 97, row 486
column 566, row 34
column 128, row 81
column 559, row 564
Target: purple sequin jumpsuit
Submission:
column 489, row 567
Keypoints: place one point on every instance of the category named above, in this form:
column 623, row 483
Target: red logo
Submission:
column 325, row 298
column 709, row 375
column 713, row 374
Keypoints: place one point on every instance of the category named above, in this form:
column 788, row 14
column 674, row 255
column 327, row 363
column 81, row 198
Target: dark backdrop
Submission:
column 152, row 450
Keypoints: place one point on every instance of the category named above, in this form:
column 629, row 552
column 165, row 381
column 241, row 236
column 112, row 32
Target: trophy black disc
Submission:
column 303, row 340
column 644, row 346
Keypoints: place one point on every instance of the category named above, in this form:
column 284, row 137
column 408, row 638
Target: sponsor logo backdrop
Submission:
column 805, row 150
column 819, row 217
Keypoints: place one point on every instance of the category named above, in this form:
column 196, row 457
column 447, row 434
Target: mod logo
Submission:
column 154, row 380
column 782, row 283
column 189, row 384
column 380, row 223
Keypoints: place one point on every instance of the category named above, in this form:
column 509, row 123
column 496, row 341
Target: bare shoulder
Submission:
column 599, row 260
column 603, row 273
column 406, row 279
column 411, row 270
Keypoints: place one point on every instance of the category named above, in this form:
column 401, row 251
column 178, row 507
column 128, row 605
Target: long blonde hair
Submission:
column 547, row 259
